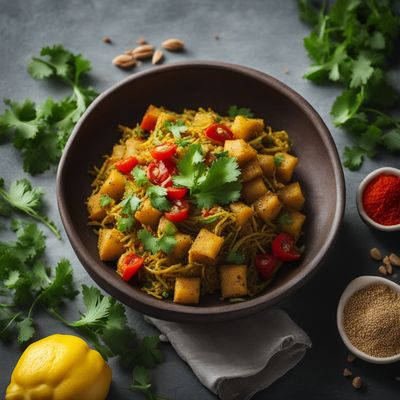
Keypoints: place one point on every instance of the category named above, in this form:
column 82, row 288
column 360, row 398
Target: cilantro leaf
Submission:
column 158, row 198
column 361, row 71
column 105, row 200
column 190, row 167
column 176, row 128
column 233, row 111
column 139, row 175
column 284, row 219
column 25, row 329
column 125, row 224
column 183, row 142
column 391, row 140
column 278, row 159
column 152, row 244
column 147, row 354
column 235, row 257
column 142, row 383
column 23, row 197
column 130, row 204
column 346, row 106
column 353, row 157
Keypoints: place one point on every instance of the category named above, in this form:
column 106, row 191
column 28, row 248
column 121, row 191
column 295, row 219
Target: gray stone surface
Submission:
column 266, row 35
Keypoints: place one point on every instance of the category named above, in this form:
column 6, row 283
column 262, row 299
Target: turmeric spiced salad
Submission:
column 195, row 203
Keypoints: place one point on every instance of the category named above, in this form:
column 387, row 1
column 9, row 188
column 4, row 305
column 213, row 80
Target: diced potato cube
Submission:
column 285, row 166
column 267, row 163
column 254, row 189
column 95, row 210
column 110, row 245
column 251, row 170
column 114, row 185
column 148, row 215
column 203, row 119
column 118, row 151
column 292, row 196
column 233, row 280
column 183, row 243
column 242, row 212
column 244, row 128
column 268, row 207
column 162, row 119
column 241, row 150
column 205, row 248
column 187, row 290
column 162, row 226
column 295, row 223
column 133, row 147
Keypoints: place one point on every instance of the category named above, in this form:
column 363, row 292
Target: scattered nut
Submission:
column 173, row 45
column 141, row 52
column 347, row 372
column 107, row 39
column 386, row 260
column 389, row 269
column 357, row 383
column 394, row 260
column 124, row 61
column 141, row 40
column 351, row 358
column 157, row 57
column 376, row 254
column 382, row 270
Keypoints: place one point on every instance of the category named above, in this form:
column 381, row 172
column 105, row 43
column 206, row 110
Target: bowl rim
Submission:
column 352, row 287
column 152, row 306
column 360, row 191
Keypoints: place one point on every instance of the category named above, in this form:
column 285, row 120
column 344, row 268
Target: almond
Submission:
column 173, row 44
column 124, row 61
column 141, row 52
column 394, row 260
column 157, row 57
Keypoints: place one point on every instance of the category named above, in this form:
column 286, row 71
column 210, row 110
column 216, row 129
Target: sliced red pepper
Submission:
column 149, row 120
column 266, row 265
column 129, row 266
column 218, row 133
column 283, row 247
column 179, row 211
column 164, row 151
column 160, row 172
column 126, row 165
column 174, row 193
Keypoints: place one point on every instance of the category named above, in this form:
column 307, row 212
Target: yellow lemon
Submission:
column 60, row 367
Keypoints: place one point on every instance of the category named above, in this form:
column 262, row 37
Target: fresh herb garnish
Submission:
column 235, row 257
column 278, row 159
column 165, row 243
column 105, row 200
column 284, row 219
column 235, row 110
column 352, row 43
column 142, row 383
column 27, row 199
column 176, row 128
column 183, row 142
column 41, row 131
column 221, row 154
column 158, row 198
column 217, row 184
column 129, row 205
column 140, row 176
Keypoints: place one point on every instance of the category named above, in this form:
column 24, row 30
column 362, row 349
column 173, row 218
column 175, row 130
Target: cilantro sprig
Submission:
column 176, row 128
column 352, row 43
column 27, row 199
column 217, row 184
column 234, row 110
column 40, row 132
column 165, row 243
column 158, row 198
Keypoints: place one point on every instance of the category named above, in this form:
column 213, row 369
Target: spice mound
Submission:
column 381, row 199
column 371, row 319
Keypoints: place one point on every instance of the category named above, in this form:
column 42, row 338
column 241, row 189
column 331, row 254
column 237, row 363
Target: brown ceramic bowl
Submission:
column 216, row 85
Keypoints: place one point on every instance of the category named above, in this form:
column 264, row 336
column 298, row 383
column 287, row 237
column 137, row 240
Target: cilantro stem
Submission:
column 388, row 117
column 10, row 322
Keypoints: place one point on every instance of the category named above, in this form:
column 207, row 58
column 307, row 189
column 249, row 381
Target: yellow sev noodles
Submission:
column 158, row 273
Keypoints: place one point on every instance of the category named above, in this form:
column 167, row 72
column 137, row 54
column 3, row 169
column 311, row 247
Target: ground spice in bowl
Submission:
column 381, row 199
column 371, row 320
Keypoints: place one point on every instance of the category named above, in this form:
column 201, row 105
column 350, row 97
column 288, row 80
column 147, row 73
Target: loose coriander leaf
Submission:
column 361, row 71
column 235, row 257
column 377, row 41
column 148, row 354
column 26, row 330
column 130, row 204
column 97, row 308
column 105, row 200
column 369, row 139
column 167, row 242
column 353, row 157
column 158, row 198
column 221, row 154
column 307, row 12
column 139, row 175
column 176, row 128
column 141, row 382
column 234, row 110
column 391, row 140
column 346, row 106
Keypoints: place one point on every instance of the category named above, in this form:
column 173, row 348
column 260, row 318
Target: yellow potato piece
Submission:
column 148, row 215
column 253, row 190
column 239, row 149
column 205, row 248
column 296, row 220
column 95, row 210
column 183, row 243
column 267, row 163
column 285, row 164
column 114, row 185
column 233, row 280
column 244, row 128
column 242, row 212
column 110, row 245
column 251, row 170
column 268, row 207
column 187, row 290
column 292, row 196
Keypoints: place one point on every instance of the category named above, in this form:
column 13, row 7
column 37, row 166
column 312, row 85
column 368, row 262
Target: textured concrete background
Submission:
column 266, row 35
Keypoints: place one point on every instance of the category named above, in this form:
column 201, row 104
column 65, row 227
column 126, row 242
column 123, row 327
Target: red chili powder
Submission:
column 381, row 199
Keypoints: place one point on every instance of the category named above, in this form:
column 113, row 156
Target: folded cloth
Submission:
column 236, row 359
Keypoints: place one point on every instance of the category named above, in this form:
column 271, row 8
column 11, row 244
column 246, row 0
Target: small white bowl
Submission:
column 360, row 191
column 351, row 288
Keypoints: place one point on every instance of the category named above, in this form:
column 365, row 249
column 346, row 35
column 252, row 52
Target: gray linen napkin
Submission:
column 236, row 359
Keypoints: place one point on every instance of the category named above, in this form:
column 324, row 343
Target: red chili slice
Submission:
column 164, row 151
column 179, row 211
column 160, row 172
column 266, row 265
column 283, row 248
column 174, row 193
column 126, row 166
column 130, row 265
column 218, row 133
